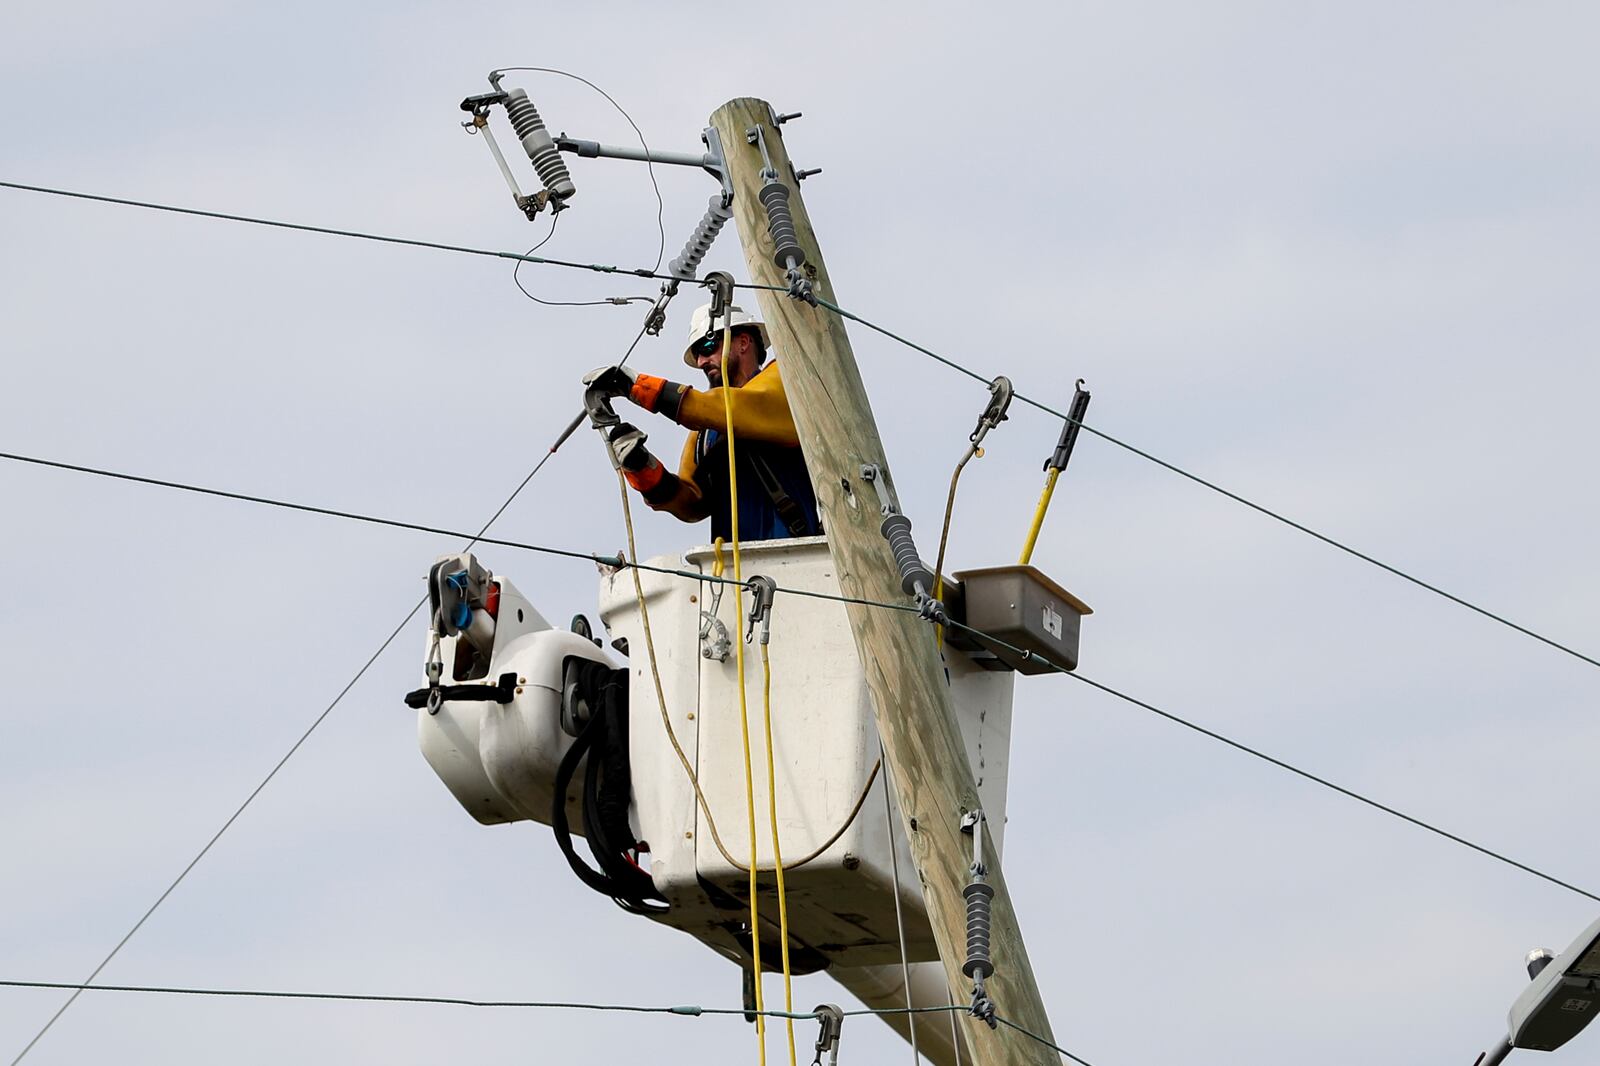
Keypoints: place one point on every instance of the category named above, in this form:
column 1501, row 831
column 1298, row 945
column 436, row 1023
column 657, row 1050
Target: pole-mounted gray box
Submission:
column 1021, row 606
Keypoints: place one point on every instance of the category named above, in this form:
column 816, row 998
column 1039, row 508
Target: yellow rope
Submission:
column 777, row 852
column 1038, row 514
column 744, row 711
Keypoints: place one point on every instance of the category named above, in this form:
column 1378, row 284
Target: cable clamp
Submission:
column 931, row 610
column 983, row 1007
column 762, row 588
column 657, row 318
column 831, row 1019
column 720, row 282
column 800, row 286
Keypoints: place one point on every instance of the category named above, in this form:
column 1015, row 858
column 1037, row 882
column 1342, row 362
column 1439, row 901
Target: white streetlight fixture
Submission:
column 1563, row 997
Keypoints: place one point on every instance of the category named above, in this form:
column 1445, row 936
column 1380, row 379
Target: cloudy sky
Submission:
column 1339, row 258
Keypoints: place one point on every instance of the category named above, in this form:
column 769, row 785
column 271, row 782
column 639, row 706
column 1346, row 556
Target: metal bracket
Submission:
column 871, row 472
column 755, row 136
column 712, row 161
column 972, row 825
column 713, row 647
column 719, row 162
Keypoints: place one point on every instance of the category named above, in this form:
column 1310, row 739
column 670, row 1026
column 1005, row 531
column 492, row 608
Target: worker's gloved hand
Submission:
column 627, row 444
column 611, row 380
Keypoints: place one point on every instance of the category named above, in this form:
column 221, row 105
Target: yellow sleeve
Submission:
column 760, row 410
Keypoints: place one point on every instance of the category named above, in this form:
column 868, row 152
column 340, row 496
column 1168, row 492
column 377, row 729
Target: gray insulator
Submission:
column 705, row 233
column 780, row 223
column 979, row 896
column 896, row 529
column 537, row 143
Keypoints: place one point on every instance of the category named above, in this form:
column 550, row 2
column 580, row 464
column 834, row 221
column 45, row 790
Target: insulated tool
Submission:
column 1057, row 463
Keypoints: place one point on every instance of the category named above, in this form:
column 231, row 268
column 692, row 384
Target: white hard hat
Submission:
column 700, row 328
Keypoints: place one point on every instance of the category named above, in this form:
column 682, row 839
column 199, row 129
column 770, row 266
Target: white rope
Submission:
column 899, row 920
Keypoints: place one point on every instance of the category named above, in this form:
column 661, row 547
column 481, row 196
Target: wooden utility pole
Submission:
column 934, row 783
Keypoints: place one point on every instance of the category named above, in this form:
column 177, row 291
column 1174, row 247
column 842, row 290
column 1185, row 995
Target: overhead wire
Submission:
column 619, row 301
column 616, row 562
column 1031, row 1035
column 1214, row 487
column 360, row 235
column 681, row 1010
column 1056, row 667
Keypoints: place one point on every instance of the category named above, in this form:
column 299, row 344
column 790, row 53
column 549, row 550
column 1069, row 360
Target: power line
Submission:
column 279, row 765
column 613, row 561
column 329, row 231
column 688, row 1010
column 1281, row 764
column 1009, row 1024
column 682, row 1010
column 1214, row 487
column 618, row 562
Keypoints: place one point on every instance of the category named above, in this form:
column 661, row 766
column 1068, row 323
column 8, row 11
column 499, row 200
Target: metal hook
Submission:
column 720, row 282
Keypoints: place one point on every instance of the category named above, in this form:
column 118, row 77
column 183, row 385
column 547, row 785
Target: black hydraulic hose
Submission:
column 605, row 797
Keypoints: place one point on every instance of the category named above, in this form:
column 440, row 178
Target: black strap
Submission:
column 789, row 512
column 503, row 691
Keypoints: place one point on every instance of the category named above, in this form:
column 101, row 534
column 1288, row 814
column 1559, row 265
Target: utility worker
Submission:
column 775, row 495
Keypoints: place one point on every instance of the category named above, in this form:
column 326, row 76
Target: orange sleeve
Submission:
column 677, row 494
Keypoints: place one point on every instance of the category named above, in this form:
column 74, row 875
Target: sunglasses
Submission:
column 707, row 345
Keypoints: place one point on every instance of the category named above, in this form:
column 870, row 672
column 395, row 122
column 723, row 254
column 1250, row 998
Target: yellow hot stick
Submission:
column 1038, row 514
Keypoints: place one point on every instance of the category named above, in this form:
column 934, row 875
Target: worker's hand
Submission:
column 611, row 380
column 627, row 444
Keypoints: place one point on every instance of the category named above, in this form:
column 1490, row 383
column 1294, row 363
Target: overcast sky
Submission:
column 1339, row 258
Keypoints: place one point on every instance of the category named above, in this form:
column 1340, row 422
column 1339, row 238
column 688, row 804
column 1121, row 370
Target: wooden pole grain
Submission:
column 916, row 720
